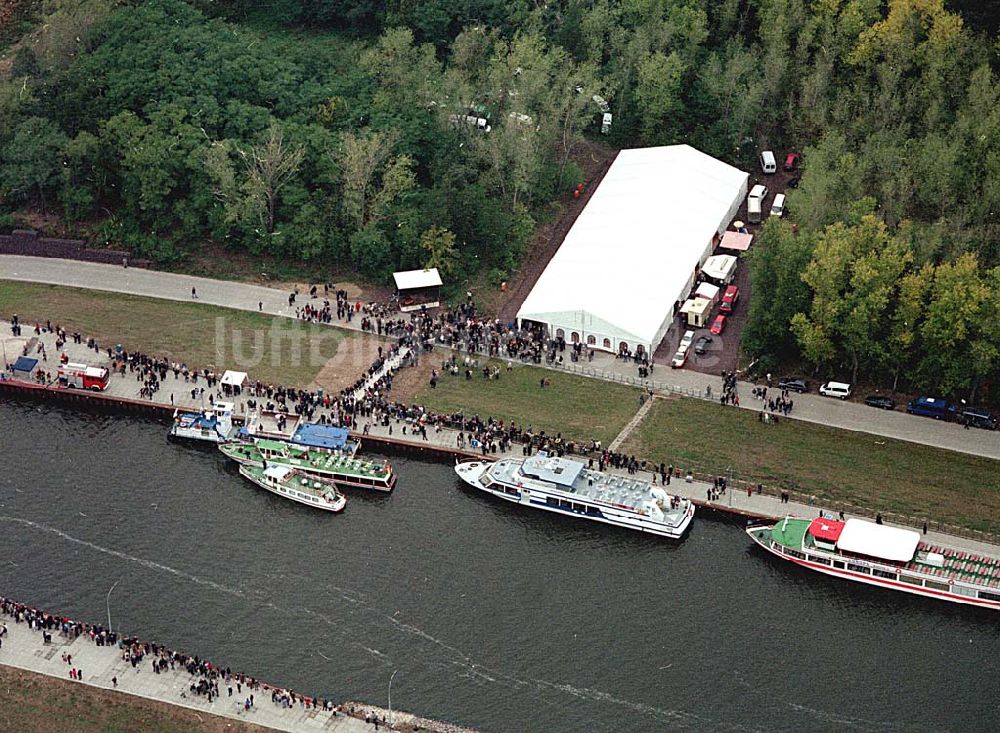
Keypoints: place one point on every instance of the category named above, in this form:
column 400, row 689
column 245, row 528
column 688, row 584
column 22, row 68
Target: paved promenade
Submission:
column 23, row 648
column 241, row 296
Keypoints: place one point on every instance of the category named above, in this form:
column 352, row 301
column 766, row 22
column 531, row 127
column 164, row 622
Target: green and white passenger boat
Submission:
column 298, row 486
column 890, row 557
column 345, row 470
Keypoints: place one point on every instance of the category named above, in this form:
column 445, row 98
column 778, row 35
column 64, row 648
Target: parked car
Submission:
column 767, row 162
column 841, row 390
column 880, row 401
column 794, row 384
column 931, row 407
column 976, row 417
column 682, row 350
column 791, row 161
column 701, row 345
column 729, row 299
column 778, row 206
column 718, row 325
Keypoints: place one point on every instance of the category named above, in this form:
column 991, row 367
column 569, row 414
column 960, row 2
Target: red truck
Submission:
column 82, row 376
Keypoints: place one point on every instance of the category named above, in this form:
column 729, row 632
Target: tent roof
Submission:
column 737, row 241
column 634, row 247
column 877, row 540
column 706, row 290
column 234, row 378
column 409, row 279
column 25, row 364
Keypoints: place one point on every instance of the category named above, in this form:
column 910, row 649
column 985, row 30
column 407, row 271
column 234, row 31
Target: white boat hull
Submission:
column 872, row 580
column 336, row 506
column 472, row 472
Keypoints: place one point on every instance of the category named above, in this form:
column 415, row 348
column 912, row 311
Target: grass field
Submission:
column 579, row 407
column 276, row 350
column 42, row 704
column 835, row 465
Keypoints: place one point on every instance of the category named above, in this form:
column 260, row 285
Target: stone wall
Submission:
column 27, row 242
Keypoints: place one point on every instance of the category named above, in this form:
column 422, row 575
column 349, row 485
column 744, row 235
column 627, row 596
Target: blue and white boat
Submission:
column 569, row 487
column 211, row 426
column 272, row 425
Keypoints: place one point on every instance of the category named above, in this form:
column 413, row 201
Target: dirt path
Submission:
column 594, row 159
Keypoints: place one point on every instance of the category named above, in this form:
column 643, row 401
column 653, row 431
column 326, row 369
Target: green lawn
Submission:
column 859, row 469
column 277, row 350
column 579, row 407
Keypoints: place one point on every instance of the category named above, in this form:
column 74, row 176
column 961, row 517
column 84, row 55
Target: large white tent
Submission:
column 631, row 256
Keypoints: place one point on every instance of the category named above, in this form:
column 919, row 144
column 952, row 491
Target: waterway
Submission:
column 495, row 617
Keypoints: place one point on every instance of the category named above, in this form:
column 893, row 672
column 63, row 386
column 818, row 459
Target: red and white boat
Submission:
column 891, row 557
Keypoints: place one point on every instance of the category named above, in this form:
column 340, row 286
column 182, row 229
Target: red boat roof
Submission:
column 826, row 529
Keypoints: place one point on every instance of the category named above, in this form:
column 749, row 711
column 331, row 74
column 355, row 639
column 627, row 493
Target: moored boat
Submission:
column 298, row 486
column 345, row 470
column 890, row 557
column 285, row 426
column 210, row 426
column 569, row 487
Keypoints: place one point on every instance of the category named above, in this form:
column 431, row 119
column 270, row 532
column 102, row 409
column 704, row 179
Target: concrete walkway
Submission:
column 632, row 424
column 241, row 296
column 24, row 649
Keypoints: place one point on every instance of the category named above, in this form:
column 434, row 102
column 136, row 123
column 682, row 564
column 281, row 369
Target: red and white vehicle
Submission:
column 82, row 376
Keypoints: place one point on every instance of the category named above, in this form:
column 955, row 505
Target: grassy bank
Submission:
column 835, row 465
column 579, row 407
column 42, row 704
column 276, row 350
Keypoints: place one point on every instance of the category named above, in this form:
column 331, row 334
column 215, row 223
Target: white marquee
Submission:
column 631, row 255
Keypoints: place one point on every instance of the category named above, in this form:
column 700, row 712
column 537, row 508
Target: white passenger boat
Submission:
column 569, row 487
column 890, row 557
column 298, row 486
column 208, row 426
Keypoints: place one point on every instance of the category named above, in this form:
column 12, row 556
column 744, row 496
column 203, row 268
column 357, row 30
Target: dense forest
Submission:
column 354, row 133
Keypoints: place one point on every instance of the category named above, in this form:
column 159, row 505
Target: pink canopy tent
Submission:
column 736, row 241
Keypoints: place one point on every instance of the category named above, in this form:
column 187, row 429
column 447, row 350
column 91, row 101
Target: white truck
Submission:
column 755, row 203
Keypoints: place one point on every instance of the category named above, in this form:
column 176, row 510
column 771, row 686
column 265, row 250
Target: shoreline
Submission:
column 42, row 643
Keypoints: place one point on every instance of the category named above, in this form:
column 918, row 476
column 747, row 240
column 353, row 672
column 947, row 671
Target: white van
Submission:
column 778, row 207
column 755, row 203
column 841, row 390
column 767, row 162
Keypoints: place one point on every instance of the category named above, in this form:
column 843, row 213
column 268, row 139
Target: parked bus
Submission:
column 82, row 376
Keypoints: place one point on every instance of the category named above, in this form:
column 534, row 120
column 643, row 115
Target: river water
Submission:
column 495, row 617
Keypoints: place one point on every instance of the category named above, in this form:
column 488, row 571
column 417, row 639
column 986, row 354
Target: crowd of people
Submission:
column 207, row 679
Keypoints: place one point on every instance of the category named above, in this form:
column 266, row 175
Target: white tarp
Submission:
column 234, row 379
column 410, row 279
column 877, row 540
column 707, row 291
column 632, row 252
column 720, row 267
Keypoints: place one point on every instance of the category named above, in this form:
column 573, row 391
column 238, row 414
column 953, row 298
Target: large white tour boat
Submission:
column 569, row 487
column 891, row 557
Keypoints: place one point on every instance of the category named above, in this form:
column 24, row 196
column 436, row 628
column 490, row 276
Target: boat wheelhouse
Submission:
column 300, row 487
column 211, row 426
column 891, row 557
column 345, row 470
column 566, row 486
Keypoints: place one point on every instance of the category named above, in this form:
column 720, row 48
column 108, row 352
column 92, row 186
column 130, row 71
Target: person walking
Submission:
column 194, row 292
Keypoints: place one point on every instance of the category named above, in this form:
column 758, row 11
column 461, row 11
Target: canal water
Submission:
column 495, row 617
